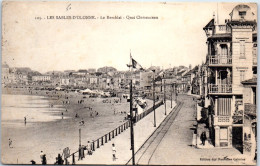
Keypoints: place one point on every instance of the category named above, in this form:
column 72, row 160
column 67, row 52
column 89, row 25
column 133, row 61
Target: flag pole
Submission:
column 131, row 113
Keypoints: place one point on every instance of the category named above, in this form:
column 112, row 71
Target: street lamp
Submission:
column 154, row 97
column 131, row 122
column 176, row 93
column 171, row 94
column 164, row 97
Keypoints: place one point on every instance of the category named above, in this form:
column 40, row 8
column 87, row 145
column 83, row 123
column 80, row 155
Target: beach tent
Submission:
column 86, row 91
column 141, row 102
column 59, row 88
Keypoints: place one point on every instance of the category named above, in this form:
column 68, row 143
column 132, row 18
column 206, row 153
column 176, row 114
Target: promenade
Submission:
column 174, row 148
column 142, row 131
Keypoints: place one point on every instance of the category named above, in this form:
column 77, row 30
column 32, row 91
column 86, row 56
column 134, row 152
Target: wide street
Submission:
column 174, row 146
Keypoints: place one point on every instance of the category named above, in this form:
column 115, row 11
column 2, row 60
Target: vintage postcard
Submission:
column 136, row 83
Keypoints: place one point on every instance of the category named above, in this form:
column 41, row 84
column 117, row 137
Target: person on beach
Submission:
column 81, row 123
column 114, row 152
column 62, row 115
column 25, row 120
column 10, row 143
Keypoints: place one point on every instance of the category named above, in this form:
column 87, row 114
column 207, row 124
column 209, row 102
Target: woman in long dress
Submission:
column 194, row 139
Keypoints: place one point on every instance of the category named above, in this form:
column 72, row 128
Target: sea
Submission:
column 17, row 108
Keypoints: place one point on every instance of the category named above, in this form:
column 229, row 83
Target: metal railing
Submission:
column 110, row 135
column 222, row 120
column 220, row 60
column 222, row 29
column 221, row 88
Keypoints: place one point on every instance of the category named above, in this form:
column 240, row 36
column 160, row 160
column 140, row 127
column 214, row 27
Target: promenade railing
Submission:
column 98, row 143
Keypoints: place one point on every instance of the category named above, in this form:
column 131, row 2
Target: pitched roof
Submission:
column 210, row 24
column 192, row 70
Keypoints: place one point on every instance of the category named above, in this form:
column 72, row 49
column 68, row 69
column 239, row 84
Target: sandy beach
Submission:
column 52, row 137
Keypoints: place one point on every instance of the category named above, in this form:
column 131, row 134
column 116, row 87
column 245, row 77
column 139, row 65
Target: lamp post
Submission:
column 176, row 93
column 154, row 97
column 80, row 155
column 131, row 122
column 165, row 97
column 171, row 94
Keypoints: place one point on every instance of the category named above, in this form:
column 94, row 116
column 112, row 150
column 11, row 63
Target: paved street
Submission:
column 175, row 146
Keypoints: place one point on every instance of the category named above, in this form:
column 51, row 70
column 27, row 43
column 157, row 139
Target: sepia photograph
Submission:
column 129, row 83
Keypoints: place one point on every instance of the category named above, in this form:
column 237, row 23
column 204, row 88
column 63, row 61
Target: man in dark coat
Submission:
column 203, row 137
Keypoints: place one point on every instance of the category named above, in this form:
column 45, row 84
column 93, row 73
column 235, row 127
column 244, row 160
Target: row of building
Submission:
column 102, row 78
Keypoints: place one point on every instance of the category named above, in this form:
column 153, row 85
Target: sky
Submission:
column 176, row 38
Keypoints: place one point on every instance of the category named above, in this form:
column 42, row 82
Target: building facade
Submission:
column 231, row 59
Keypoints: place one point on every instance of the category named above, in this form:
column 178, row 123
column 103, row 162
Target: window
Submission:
column 242, row 49
column 242, row 75
column 224, row 49
column 242, row 14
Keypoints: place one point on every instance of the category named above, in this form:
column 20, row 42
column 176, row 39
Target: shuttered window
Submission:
column 224, row 106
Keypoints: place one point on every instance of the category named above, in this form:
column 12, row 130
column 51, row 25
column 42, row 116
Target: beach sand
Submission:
column 53, row 136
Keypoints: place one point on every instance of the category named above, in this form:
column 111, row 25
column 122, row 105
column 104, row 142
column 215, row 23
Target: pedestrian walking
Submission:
column 194, row 138
column 88, row 147
column 203, row 137
column 114, row 152
column 25, row 120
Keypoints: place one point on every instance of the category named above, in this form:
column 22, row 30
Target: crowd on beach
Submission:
column 78, row 107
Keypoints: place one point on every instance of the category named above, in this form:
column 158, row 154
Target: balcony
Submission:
column 220, row 60
column 220, row 29
column 218, row 89
column 255, row 60
column 223, row 120
column 250, row 109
